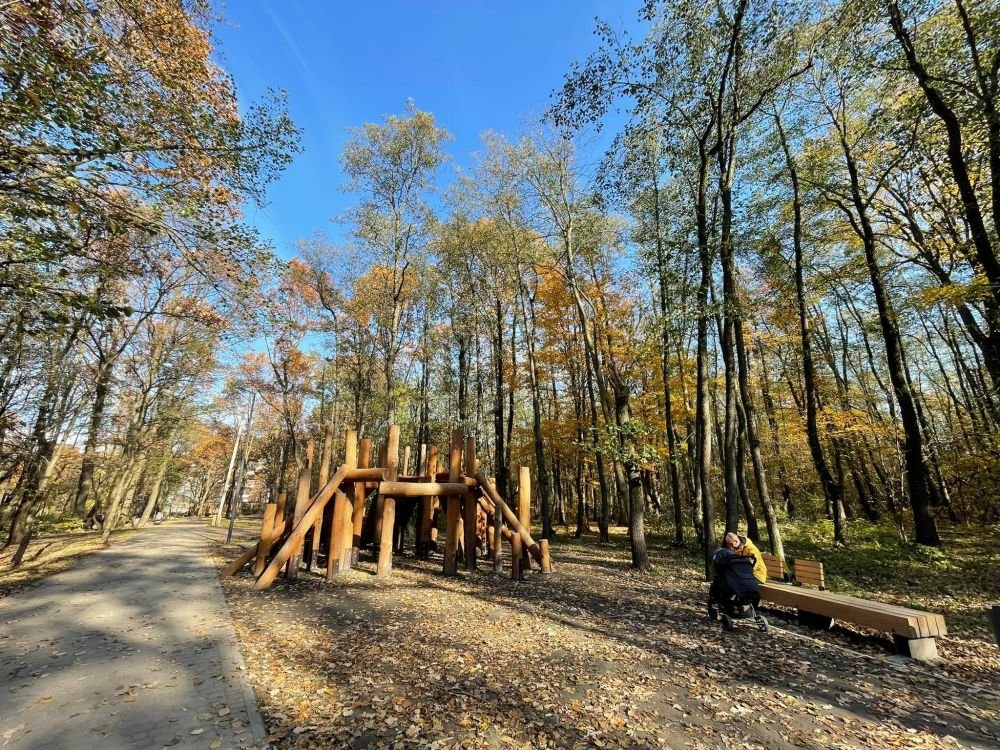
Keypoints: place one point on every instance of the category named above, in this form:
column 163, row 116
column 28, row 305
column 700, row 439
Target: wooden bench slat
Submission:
column 932, row 622
column 893, row 609
column 810, row 572
column 909, row 623
column 793, row 597
column 775, row 570
column 808, row 565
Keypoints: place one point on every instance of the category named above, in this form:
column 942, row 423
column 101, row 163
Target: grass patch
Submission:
column 958, row 580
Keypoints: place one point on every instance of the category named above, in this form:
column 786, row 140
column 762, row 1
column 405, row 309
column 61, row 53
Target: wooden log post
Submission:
column 384, row 567
column 364, row 456
column 497, row 551
column 515, row 557
column 341, row 527
column 406, row 461
column 279, row 514
column 266, row 537
column 470, row 506
column 293, row 543
column 524, row 507
column 325, row 459
column 301, row 503
column 508, row 515
column 277, row 529
column 420, row 489
column 346, row 539
column 454, row 506
column 427, row 508
column 312, row 560
column 342, row 524
column 543, row 546
column 379, row 502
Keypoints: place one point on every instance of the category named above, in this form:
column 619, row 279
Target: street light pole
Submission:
column 238, row 489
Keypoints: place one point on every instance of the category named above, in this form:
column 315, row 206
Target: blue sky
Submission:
column 476, row 64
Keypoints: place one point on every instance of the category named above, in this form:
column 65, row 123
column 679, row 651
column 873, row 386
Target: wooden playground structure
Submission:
column 476, row 516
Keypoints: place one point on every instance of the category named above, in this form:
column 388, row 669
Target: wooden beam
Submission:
column 266, row 537
column 524, row 506
column 543, row 546
column 358, row 517
column 490, row 491
column 279, row 514
column 298, row 532
column 427, row 508
column 301, row 506
column 384, row 567
column 445, row 476
column 470, row 506
column 454, row 505
column 366, row 474
column 497, row 551
column 419, row 489
column 341, row 524
column 345, row 557
column 327, row 458
column 246, row 556
column 515, row 557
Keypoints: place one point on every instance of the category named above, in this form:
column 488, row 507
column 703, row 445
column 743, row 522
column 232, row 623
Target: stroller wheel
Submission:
column 713, row 613
column 727, row 622
column 763, row 624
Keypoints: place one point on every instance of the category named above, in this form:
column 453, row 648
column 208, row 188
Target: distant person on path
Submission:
column 742, row 546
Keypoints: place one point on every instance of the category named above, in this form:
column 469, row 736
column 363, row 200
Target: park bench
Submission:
column 775, row 567
column 913, row 631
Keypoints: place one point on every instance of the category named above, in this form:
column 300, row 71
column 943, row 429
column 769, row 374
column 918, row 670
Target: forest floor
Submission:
column 592, row 655
column 50, row 552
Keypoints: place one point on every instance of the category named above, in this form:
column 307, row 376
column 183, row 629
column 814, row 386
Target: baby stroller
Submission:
column 735, row 592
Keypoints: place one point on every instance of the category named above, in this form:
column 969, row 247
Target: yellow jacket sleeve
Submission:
column 759, row 568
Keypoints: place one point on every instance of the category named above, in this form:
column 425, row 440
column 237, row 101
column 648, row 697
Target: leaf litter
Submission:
column 592, row 656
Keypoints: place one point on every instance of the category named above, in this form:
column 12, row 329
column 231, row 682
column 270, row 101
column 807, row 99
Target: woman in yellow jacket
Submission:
column 743, row 546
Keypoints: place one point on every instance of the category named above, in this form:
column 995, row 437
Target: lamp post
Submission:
column 238, row 489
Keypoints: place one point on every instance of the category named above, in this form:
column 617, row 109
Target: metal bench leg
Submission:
column 921, row 649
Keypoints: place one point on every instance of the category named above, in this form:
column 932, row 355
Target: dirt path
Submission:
column 590, row 656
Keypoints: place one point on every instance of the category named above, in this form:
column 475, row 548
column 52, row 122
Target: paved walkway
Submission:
column 131, row 648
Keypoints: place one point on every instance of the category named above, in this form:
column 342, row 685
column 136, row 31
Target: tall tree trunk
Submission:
column 499, row 445
column 985, row 253
column 772, row 425
column 36, row 465
column 85, row 483
column 154, row 492
column 463, row 381
column 668, row 416
column 703, row 397
column 604, row 517
column 123, row 485
column 593, row 358
column 543, row 484
column 925, row 527
column 833, row 491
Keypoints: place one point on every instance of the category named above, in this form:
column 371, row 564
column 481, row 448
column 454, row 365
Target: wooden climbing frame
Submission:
column 476, row 515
